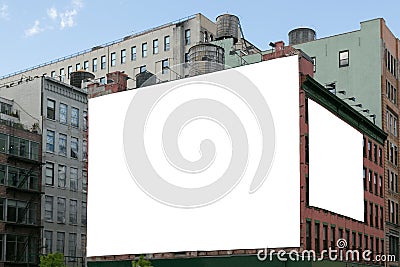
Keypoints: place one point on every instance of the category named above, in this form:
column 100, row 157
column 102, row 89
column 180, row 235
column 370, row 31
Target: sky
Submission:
column 35, row 32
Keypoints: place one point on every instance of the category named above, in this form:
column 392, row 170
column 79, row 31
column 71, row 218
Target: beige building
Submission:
column 151, row 50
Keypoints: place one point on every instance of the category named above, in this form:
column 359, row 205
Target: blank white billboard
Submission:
column 203, row 163
column 335, row 164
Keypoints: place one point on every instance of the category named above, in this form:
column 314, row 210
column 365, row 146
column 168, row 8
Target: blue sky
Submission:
column 34, row 32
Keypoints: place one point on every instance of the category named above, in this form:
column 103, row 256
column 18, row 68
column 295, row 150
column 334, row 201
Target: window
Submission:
column 308, row 235
column 84, row 181
column 62, row 74
column 69, row 71
column 314, row 60
column 84, row 150
column 187, row 57
column 325, row 236
column 61, row 208
column 333, row 237
column 74, row 147
column 380, row 156
column 344, row 58
column 365, row 178
column 85, row 117
column 73, row 179
column 48, row 208
column 48, row 236
column 366, row 242
column 123, row 56
column 317, row 241
column 376, row 183
column 63, row 113
column 376, row 216
column 133, row 53
column 364, row 147
column 211, row 37
column 205, row 36
column 62, row 144
column 49, row 141
column 370, row 181
column 360, row 239
column 86, row 65
column 73, row 212
column 166, row 43
column 380, row 186
column 369, row 150
column 75, row 117
column 144, row 50
column 53, row 74
column 84, row 212
column 375, row 153
column 103, row 62
column 103, row 80
column 353, row 240
column 49, row 173
column 187, row 37
column 164, row 66
column 61, row 176
column 143, row 69
column 113, row 59
column 94, row 64
column 51, row 107
column 78, row 66
column 72, row 245
column 60, row 242
column 155, row 46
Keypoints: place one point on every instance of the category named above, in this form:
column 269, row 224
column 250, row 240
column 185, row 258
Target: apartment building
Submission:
column 59, row 111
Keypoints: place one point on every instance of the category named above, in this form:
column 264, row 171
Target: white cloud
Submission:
column 52, row 13
column 77, row 3
column 67, row 18
column 4, row 12
column 35, row 29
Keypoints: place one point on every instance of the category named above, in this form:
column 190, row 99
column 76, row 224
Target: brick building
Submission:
column 20, row 189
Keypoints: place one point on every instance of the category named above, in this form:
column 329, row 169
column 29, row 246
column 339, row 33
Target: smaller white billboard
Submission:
column 335, row 164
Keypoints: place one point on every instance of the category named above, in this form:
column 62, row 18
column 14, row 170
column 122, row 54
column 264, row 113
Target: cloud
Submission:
column 67, row 18
column 4, row 12
column 35, row 29
column 77, row 4
column 52, row 13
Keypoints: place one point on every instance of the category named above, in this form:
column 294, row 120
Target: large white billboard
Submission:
column 203, row 163
column 335, row 164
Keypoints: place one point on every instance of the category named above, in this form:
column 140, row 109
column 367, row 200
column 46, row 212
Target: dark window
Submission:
column 166, row 43
column 103, row 62
column 376, row 183
column 314, row 60
column 317, row 241
column 382, row 216
column 344, row 58
column 155, row 46
column 333, row 237
column 376, row 216
column 165, row 66
column 307, row 191
column 51, row 107
column 371, row 214
column 308, row 235
column 365, row 178
column 123, row 56
column 94, row 65
column 369, row 150
column 144, row 50
column 360, row 238
column 86, row 65
column 133, row 53
column 353, row 240
column 375, row 153
column 325, row 237
column 187, row 37
column 380, row 156
column 113, row 59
